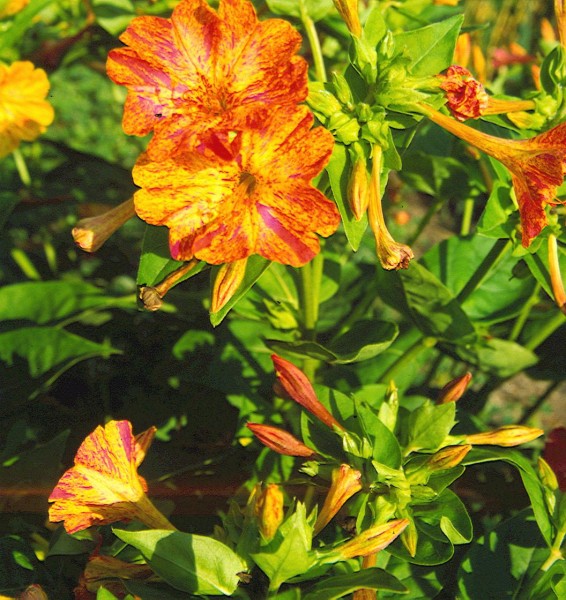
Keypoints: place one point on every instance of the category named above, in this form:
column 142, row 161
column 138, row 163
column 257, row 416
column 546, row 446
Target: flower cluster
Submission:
column 229, row 167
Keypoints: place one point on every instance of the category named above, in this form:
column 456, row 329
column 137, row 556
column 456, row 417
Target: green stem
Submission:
column 498, row 251
column 21, row 167
column 314, row 42
column 421, row 344
column 524, row 314
column 467, row 216
column 546, row 331
column 311, row 275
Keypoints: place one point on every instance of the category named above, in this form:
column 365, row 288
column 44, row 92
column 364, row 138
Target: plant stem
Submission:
column 311, row 276
column 524, row 314
column 314, row 42
column 467, row 216
column 21, row 167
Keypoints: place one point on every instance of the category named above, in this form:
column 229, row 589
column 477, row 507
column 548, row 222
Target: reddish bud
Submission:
column 279, row 440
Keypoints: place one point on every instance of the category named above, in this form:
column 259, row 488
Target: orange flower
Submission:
column 250, row 196
column 104, row 486
column 537, row 166
column 465, row 96
column 202, row 70
column 24, row 112
column 279, row 440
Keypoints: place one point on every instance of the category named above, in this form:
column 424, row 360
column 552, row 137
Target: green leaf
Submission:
column 255, row 267
column 338, row 170
column 499, row 217
column 189, row 563
column 386, row 449
column 47, row 347
column 450, row 516
column 430, row 48
column 156, row 262
column 8, row 201
column 287, row 555
column 338, row 586
column 114, row 15
column 316, row 9
column 364, row 340
column 429, row 425
column 157, row 591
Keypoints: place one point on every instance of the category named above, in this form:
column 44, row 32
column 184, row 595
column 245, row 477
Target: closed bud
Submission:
column 268, row 510
column 410, row 537
column 358, row 189
column 506, row 436
column 447, row 458
column 91, row 233
column 454, row 389
column 322, row 100
column 372, row 540
column 226, row 284
column 342, row 89
column 550, row 483
column 345, row 483
column 280, row 441
column 555, row 275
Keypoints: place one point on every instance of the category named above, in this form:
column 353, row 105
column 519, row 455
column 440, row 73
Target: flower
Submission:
column 537, row 166
column 555, row 454
column 91, row 233
column 226, row 283
column 251, row 196
column 24, row 112
column 203, row 70
column 345, row 483
column 103, row 486
column 506, row 436
column 358, row 189
column 279, row 440
column 465, row 96
column 298, row 387
column 454, row 389
column 269, row 509
column 371, row 540
column 11, row 7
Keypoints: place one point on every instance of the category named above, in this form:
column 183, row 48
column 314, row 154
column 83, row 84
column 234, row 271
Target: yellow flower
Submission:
column 104, row 485
column 12, row 7
column 24, row 112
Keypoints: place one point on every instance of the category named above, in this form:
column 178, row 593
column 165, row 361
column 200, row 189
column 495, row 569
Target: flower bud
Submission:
column 279, row 440
column 348, row 10
column 555, row 275
column 506, row 436
column 547, row 475
column 151, row 296
column 268, row 509
column 358, row 189
column 454, row 389
column 345, row 483
column 33, row 592
column 447, row 458
column 299, row 388
column 372, row 540
column 410, row 537
column 226, row 284
column 91, row 233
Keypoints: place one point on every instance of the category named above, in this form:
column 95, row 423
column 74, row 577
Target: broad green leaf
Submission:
column 422, row 583
column 503, row 358
column 430, row 48
column 46, row 301
column 338, row 173
column 499, row 218
column 332, row 588
column 190, row 563
column 156, row 262
column 450, row 516
column 429, row 425
column 386, row 449
column 364, row 340
column 45, row 348
column 114, row 15
column 255, row 267
column 287, row 555
column 315, row 9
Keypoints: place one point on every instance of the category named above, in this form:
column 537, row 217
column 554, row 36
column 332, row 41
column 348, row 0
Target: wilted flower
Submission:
column 24, row 112
column 465, row 96
column 91, row 233
column 32, row 592
column 226, row 283
column 371, row 540
column 251, row 196
column 268, row 509
column 555, row 454
column 345, row 483
column 298, row 387
column 506, row 436
column 203, row 70
column 152, row 296
column 104, row 486
column 279, row 440
column 537, row 166
column 454, row 389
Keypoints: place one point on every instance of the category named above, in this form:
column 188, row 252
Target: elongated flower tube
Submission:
column 104, row 486
column 279, row 440
column 24, row 112
column 251, row 196
column 298, row 387
column 345, row 483
column 204, row 70
column 506, row 436
column 391, row 254
column 348, row 10
column 537, row 166
column 371, row 540
column 91, row 233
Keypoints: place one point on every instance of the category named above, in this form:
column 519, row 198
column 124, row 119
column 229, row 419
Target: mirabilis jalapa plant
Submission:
column 229, row 172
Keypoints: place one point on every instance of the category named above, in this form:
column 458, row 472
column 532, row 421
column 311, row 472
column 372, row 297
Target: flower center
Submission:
column 247, row 183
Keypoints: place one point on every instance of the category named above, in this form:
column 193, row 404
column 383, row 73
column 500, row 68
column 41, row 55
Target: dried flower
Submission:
column 91, row 233
column 204, row 71
column 226, row 283
column 279, row 440
column 506, row 436
column 24, row 112
column 252, row 196
column 103, row 486
column 345, row 483
column 152, row 296
column 454, row 390
column 537, row 166
column 298, row 387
